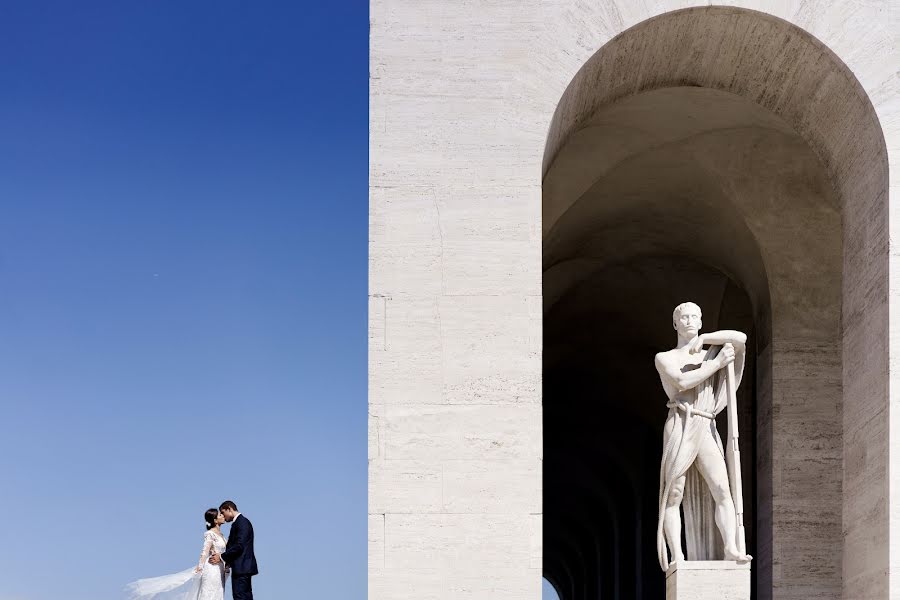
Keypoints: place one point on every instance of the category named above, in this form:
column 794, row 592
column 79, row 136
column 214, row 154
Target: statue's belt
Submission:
column 689, row 410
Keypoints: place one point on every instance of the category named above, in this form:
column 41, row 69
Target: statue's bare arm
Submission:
column 725, row 336
column 737, row 339
column 671, row 373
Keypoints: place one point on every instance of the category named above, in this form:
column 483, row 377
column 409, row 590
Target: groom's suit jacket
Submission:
column 239, row 551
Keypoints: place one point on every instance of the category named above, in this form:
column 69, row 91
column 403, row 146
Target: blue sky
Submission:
column 182, row 290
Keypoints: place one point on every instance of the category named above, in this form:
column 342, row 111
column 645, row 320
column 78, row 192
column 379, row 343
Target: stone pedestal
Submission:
column 708, row 580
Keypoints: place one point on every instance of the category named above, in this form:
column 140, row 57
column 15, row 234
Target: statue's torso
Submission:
column 684, row 361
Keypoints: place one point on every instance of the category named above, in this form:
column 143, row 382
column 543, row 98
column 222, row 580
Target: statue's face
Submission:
column 688, row 323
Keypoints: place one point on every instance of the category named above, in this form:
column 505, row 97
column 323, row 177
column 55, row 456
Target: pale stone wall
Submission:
column 461, row 97
column 455, row 315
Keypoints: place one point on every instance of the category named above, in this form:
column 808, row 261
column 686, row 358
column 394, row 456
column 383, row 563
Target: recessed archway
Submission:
column 691, row 159
column 548, row 590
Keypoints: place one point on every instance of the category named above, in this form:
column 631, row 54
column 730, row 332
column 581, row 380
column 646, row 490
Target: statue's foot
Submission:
column 738, row 557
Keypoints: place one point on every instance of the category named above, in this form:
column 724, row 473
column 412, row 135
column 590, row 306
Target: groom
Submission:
column 238, row 553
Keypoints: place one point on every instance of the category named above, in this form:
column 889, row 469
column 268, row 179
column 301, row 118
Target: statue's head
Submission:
column 687, row 319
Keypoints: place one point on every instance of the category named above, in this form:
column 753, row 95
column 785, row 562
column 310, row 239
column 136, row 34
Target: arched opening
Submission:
column 682, row 164
column 548, row 590
column 658, row 227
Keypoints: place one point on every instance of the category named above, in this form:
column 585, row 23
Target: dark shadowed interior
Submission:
column 651, row 204
column 603, row 418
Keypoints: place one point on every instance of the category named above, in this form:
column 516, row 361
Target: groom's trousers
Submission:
column 241, row 587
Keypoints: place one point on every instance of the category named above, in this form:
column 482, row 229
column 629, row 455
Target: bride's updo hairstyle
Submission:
column 210, row 516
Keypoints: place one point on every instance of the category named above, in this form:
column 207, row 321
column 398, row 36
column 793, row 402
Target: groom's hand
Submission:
column 215, row 559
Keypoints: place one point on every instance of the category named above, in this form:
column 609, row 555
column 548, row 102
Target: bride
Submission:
column 203, row 582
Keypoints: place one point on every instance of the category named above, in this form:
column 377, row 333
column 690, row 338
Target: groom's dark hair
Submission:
column 229, row 505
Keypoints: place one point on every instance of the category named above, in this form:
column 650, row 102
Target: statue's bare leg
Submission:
column 711, row 465
column 672, row 519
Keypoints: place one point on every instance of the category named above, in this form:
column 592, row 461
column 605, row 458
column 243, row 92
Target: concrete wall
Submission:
column 462, row 95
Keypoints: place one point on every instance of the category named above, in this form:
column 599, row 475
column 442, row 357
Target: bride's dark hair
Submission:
column 210, row 516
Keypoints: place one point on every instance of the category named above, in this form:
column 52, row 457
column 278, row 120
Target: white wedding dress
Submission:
column 212, row 577
column 208, row 584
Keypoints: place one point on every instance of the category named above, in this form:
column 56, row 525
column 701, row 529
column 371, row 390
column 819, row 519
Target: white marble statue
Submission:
column 693, row 474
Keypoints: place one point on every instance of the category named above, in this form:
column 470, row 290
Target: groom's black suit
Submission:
column 239, row 556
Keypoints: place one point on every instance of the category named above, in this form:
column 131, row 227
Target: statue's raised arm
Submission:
column 671, row 370
column 737, row 339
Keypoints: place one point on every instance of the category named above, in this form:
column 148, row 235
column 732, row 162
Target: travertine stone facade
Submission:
column 471, row 103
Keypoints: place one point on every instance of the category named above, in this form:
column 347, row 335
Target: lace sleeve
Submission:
column 207, row 547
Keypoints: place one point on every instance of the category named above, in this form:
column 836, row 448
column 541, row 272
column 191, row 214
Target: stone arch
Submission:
column 461, row 101
column 696, row 98
column 553, row 583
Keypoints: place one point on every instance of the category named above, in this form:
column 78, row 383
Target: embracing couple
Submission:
column 220, row 556
column 218, row 559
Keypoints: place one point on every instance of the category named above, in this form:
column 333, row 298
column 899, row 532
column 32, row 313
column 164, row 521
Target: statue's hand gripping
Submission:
column 726, row 356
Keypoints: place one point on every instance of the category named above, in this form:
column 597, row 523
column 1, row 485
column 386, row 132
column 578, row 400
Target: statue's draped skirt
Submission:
column 681, row 442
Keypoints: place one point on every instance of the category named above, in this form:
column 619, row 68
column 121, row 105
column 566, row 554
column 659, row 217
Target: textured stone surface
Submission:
column 708, row 580
column 462, row 98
